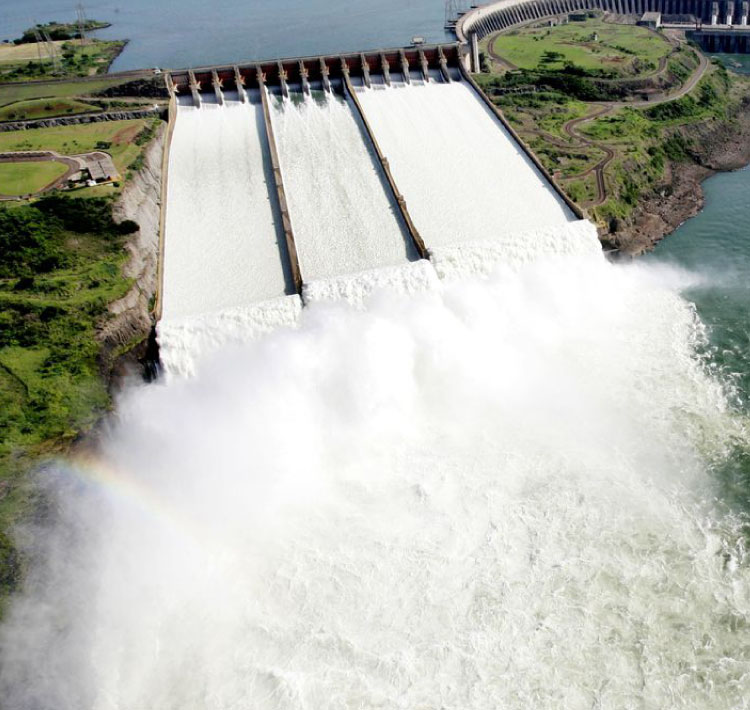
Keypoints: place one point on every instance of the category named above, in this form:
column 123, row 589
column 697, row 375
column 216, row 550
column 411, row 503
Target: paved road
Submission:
column 74, row 164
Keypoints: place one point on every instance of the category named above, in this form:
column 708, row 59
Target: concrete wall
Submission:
column 315, row 69
column 501, row 15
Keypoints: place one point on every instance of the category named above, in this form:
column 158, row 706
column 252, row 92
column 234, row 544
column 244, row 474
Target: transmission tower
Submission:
column 81, row 18
column 52, row 50
column 38, row 41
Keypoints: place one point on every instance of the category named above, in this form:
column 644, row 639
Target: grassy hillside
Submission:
column 44, row 108
column 60, row 266
column 597, row 46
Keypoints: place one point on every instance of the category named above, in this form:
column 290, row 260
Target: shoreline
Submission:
column 722, row 146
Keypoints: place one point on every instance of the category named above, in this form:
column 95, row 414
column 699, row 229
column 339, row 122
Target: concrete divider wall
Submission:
column 530, row 153
column 172, row 118
column 286, row 220
column 411, row 227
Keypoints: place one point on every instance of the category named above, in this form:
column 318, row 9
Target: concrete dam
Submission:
column 717, row 25
column 328, row 178
column 506, row 492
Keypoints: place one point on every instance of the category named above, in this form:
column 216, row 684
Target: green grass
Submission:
column 69, row 140
column 581, row 190
column 10, row 93
column 60, row 265
column 27, row 178
column 44, row 108
column 73, row 59
column 620, row 50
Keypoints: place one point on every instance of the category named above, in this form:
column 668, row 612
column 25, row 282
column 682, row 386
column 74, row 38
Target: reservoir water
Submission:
column 187, row 33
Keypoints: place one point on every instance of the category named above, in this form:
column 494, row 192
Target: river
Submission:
column 714, row 245
column 181, row 33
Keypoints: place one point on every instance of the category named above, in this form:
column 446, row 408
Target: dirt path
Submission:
column 570, row 128
column 605, row 107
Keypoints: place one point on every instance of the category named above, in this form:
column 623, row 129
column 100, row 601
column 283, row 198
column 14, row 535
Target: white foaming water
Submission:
column 185, row 342
column 492, row 494
column 222, row 246
column 344, row 220
column 356, row 289
column 464, row 178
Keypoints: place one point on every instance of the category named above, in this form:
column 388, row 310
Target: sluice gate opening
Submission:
column 320, row 71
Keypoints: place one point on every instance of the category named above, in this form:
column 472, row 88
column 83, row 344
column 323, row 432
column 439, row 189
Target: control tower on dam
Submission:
column 328, row 177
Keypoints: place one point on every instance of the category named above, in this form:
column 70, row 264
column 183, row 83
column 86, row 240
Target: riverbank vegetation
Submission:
column 49, row 60
column 614, row 144
column 60, row 30
column 60, row 266
column 56, row 50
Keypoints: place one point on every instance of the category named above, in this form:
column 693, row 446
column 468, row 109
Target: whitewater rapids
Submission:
column 496, row 493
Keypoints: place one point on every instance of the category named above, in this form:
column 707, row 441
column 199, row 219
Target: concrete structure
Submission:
column 720, row 25
column 651, row 19
column 306, row 71
column 436, row 63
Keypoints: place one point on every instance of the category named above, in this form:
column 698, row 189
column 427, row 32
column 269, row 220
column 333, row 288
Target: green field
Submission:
column 27, row 178
column 25, row 62
column 11, row 93
column 44, row 108
column 619, row 50
column 69, row 140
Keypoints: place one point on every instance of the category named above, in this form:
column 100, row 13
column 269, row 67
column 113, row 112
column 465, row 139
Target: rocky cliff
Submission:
column 130, row 319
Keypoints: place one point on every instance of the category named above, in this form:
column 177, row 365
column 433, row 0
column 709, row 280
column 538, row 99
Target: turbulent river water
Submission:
column 518, row 486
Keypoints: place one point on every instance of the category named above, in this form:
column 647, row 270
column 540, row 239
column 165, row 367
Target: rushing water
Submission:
column 460, row 172
column 181, row 33
column 493, row 494
column 716, row 247
column 519, row 486
column 327, row 161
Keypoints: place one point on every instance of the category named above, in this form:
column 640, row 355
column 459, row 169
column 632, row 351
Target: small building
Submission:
column 651, row 20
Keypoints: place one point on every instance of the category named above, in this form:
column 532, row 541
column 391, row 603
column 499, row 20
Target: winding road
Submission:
column 605, row 107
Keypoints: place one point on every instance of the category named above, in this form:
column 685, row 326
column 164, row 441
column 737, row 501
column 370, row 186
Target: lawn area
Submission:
column 26, row 178
column 11, row 93
column 20, row 53
column 69, row 140
column 620, row 50
column 44, row 108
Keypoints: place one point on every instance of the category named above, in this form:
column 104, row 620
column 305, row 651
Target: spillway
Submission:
column 344, row 219
column 509, row 492
column 223, row 246
column 226, row 266
column 464, row 178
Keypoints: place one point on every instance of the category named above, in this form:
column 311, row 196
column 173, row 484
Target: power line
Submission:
column 81, row 18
